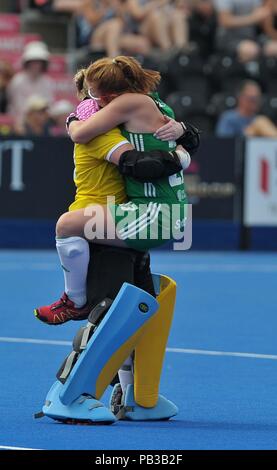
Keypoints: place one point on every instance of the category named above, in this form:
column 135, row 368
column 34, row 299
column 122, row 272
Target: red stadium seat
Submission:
column 57, row 65
column 15, row 42
column 64, row 88
column 13, row 58
column 9, row 23
column 6, row 124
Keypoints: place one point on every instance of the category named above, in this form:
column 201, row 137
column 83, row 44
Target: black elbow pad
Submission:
column 190, row 140
column 148, row 166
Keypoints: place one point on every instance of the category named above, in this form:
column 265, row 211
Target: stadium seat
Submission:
column 186, row 63
column 15, row 42
column 183, row 66
column 226, row 73
column 185, row 104
column 163, row 89
column 269, row 65
column 55, row 29
column 269, row 69
column 269, row 107
column 196, row 85
column 57, row 64
column 6, row 6
column 221, row 102
column 197, row 88
column 217, row 68
column 203, row 122
column 6, row 124
column 9, row 23
column 64, row 88
column 13, row 58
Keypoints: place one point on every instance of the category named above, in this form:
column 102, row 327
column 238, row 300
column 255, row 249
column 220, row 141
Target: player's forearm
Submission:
column 80, row 133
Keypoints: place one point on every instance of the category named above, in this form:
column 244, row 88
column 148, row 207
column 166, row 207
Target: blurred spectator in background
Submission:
column 238, row 21
column 36, row 120
column 58, row 113
column 262, row 126
column 102, row 24
column 234, row 122
column 97, row 24
column 43, row 5
column 33, row 80
column 6, row 73
column 67, row 6
column 269, row 28
column 162, row 22
column 202, row 26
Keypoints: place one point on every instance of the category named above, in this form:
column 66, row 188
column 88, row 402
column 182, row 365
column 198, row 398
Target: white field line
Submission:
column 201, row 352
column 16, row 448
column 204, row 352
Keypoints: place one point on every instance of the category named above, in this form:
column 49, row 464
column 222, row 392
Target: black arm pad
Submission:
column 148, row 166
column 190, row 140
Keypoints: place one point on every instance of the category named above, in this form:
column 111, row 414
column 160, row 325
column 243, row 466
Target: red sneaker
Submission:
column 61, row 311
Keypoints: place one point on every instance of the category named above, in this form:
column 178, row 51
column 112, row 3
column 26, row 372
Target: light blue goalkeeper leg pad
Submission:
column 125, row 408
column 111, row 343
column 95, row 359
column 83, row 409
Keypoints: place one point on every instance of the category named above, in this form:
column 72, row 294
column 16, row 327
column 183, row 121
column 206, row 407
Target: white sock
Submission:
column 74, row 257
column 125, row 373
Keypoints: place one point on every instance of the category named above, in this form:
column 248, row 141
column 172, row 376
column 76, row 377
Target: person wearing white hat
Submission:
column 36, row 121
column 32, row 80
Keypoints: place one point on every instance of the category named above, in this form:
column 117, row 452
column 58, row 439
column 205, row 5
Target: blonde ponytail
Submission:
column 80, row 82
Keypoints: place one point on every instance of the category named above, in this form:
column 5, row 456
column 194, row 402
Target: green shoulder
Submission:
column 164, row 108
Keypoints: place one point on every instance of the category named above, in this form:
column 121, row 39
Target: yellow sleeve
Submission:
column 101, row 147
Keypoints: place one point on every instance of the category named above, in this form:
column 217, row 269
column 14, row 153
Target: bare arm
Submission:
column 68, row 6
column 229, row 21
column 119, row 111
column 92, row 14
column 269, row 29
column 116, row 154
column 140, row 12
column 262, row 126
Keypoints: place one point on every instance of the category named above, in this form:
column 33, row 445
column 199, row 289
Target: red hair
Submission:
column 122, row 75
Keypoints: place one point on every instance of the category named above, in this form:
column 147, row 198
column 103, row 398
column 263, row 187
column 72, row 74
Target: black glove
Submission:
column 190, row 140
column 72, row 117
column 148, row 166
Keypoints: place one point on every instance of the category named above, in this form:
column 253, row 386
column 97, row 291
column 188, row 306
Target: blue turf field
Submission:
column 226, row 303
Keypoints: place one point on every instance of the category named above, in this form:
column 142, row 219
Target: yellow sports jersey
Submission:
column 95, row 178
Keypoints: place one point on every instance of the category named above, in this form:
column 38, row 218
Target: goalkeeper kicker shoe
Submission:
column 61, row 311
